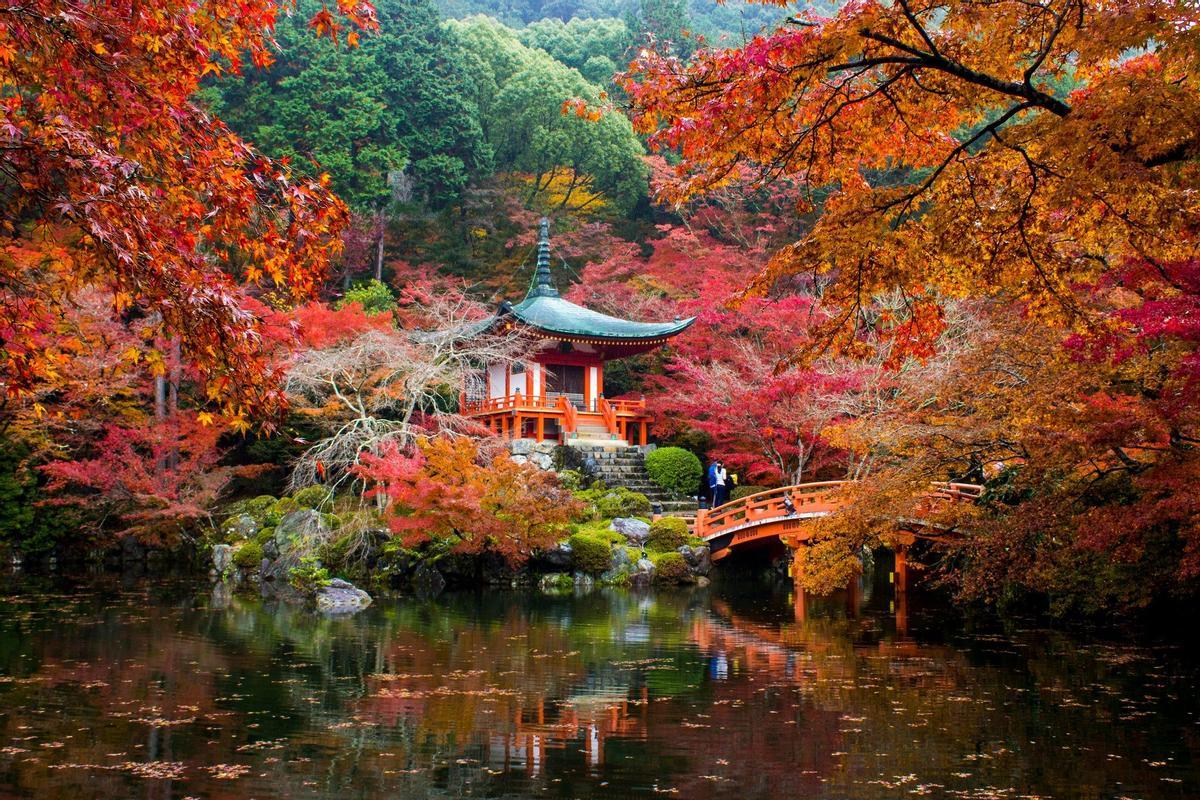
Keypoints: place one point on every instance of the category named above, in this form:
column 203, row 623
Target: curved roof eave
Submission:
column 559, row 316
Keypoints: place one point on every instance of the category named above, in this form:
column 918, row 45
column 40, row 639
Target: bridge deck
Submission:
column 766, row 515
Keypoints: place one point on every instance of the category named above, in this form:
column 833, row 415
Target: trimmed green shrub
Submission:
column 311, row 497
column 670, row 568
column 667, row 534
column 622, row 502
column 590, row 554
column 674, row 469
column 249, row 555
column 745, row 491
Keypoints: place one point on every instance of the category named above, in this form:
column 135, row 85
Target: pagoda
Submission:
column 558, row 393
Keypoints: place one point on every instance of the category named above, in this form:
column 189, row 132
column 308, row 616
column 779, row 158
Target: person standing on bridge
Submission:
column 721, row 489
column 710, row 482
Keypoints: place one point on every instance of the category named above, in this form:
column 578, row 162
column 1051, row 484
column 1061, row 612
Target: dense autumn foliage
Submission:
column 1038, row 158
column 454, row 493
column 112, row 177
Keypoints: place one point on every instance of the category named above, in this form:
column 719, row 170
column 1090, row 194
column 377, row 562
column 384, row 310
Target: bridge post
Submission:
column 900, row 587
column 799, row 596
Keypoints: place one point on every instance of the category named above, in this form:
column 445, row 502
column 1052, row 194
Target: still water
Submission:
column 165, row 690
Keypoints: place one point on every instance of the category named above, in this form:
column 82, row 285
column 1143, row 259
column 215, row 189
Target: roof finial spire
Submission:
column 542, row 284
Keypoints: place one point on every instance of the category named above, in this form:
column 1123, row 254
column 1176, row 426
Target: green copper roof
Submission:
column 556, row 315
column 543, row 309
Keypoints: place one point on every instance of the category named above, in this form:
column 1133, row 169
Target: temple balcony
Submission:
column 565, row 418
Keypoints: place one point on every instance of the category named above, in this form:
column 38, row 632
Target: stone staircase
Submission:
column 618, row 464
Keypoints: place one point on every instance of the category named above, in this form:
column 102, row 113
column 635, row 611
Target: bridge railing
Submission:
column 808, row 499
column 765, row 505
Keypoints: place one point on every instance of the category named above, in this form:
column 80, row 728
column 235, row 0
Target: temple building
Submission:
column 558, row 394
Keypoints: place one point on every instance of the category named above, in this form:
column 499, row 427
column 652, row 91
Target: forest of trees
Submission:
column 937, row 242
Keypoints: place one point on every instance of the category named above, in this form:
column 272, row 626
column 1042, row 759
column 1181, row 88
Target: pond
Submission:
column 163, row 689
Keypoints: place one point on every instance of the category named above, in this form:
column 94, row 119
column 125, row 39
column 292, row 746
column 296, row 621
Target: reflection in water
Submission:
column 168, row 691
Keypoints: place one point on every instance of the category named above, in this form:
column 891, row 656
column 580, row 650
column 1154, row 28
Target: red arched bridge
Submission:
column 766, row 516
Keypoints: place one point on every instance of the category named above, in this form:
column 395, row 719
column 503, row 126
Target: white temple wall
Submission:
column 496, row 373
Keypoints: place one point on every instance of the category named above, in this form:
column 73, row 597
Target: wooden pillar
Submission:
column 541, row 427
column 799, row 596
column 519, row 430
column 853, row 597
column 900, row 581
column 644, row 440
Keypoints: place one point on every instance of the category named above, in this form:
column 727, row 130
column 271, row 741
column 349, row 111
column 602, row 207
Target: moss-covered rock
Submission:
column 556, row 582
column 284, row 506
column 590, row 554
column 667, row 534
column 312, row 497
column 248, row 555
column 670, row 568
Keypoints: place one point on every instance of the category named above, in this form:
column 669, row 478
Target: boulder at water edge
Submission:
column 558, row 556
column 635, row 531
column 698, row 560
column 341, row 597
column 619, row 568
column 643, row 574
column 222, row 557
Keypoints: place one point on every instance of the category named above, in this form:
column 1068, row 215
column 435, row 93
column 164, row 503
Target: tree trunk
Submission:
column 379, row 248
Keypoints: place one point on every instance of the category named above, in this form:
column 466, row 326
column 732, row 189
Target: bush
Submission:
column 571, row 480
column 674, row 469
column 671, row 568
column 667, row 534
column 311, row 497
column 309, row 576
column 745, row 491
column 373, row 296
column 590, row 554
column 622, row 502
column 249, row 555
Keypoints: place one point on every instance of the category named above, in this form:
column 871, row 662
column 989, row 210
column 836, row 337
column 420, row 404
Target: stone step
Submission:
column 613, row 443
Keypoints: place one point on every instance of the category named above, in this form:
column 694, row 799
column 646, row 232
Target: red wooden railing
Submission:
column 808, row 500
column 570, row 416
column 512, row 402
column 631, row 407
column 609, row 412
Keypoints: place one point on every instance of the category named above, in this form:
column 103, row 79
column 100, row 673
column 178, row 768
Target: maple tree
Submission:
column 375, row 380
column 453, row 492
column 111, row 176
column 1037, row 158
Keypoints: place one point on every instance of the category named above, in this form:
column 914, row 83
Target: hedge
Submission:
column 671, row 568
column 674, row 469
column 667, row 534
column 590, row 554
